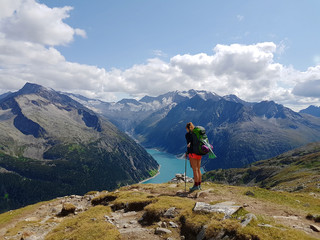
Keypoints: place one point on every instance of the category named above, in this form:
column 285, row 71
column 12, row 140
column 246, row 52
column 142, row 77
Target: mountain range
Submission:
column 312, row 110
column 241, row 132
column 51, row 145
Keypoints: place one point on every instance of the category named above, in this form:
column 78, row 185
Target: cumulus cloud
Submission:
column 29, row 32
column 248, row 71
column 28, row 20
column 308, row 89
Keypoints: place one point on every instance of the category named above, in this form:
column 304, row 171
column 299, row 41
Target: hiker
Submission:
column 195, row 160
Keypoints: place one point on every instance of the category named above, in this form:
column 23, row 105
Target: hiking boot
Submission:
column 194, row 188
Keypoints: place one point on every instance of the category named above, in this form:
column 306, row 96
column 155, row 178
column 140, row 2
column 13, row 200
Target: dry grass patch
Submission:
column 297, row 201
column 67, row 209
column 91, row 193
column 20, row 226
column 228, row 227
column 103, row 199
column 155, row 211
column 254, row 231
column 89, row 225
column 131, row 200
column 10, row 216
column 192, row 222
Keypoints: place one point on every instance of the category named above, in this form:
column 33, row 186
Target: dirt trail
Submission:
column 129, row 227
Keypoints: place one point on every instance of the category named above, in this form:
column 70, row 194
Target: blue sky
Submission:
column 124, row 33
column 258, row 50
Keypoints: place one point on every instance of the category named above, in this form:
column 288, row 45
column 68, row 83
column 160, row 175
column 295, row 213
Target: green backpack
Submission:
column 201, row 145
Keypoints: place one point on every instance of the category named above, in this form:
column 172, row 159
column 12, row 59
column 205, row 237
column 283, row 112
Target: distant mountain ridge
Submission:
column 241, row 132
column 51, row 145
column 312, row 110
column 127, row 113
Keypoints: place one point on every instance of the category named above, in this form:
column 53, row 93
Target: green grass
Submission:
column 298, row 201
column 153, row 172
column 161, row 204
column 276, row 232
column 11, row 216
column 89, row 225
column 131, row 200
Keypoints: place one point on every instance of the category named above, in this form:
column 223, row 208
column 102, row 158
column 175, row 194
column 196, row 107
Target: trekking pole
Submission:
column 185, row 174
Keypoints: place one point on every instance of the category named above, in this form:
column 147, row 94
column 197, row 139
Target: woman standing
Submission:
column 195, row 160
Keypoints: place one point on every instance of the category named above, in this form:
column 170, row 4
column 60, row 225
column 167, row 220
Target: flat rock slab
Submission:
column 228, row 208
column 160, row 231
column 170, row 213
column 315, row 228
column 287, row 217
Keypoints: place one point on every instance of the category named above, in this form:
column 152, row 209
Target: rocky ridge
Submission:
column 166, row 211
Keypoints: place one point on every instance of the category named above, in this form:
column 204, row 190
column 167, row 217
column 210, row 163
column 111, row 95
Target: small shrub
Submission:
column 223, row 227
column 309, row 216
column 161, row 204
column 249, row 193
column 192, row 222
column 67, row 209
column 91, row 193
column 103, row 199
column 132, row 200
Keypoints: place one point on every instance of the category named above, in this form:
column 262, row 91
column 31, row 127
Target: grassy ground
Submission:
column 155, row 199
column 89, row 225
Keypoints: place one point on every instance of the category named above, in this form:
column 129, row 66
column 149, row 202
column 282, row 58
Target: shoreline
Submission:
column 151, row 177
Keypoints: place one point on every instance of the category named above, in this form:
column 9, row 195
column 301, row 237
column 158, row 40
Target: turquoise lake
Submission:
column 169, row 166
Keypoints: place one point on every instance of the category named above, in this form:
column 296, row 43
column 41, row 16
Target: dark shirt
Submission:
column 189, row 140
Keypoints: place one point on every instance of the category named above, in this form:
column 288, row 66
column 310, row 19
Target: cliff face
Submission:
column 51, row 145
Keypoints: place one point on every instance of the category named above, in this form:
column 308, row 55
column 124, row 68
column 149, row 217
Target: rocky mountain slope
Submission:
column 312, row 110
column 164, row 211
column 241, row 132
column 51, row 145
column 127, row 113
column 295, row 170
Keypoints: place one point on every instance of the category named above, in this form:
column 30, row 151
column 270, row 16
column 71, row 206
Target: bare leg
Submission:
column 193, row 163
column 198, row 165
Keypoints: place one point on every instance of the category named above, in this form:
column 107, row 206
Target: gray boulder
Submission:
column 228, row 208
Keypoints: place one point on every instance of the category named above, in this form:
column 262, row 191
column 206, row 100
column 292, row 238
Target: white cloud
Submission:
column 28, row 20
column 240, row 18
column 308, row 89
column 159, row 53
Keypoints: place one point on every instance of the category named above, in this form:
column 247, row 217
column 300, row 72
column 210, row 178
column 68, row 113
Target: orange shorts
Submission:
column 195, row 156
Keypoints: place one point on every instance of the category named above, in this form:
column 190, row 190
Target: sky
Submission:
column 114, row 49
